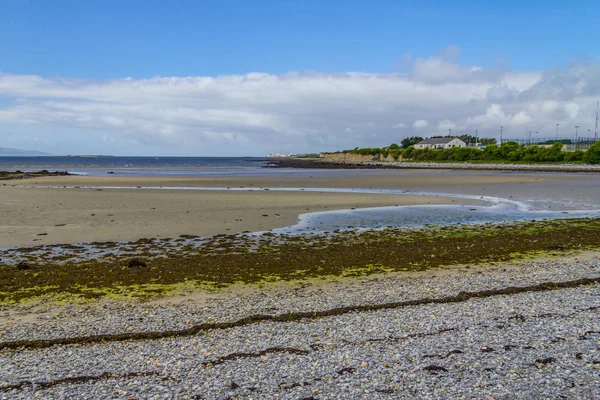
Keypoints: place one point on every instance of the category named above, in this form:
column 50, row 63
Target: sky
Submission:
column 220, row 78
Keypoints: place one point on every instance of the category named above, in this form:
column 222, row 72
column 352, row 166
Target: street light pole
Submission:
column 557, row 131
column 576, row 131
column 501, row 135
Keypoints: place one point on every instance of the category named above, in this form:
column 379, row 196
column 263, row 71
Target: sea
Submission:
column 142, row 166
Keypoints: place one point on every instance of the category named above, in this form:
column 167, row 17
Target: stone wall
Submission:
column 355, row 158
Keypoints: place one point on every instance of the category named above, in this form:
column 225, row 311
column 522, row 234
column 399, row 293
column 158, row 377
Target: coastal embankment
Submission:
column 357, row 161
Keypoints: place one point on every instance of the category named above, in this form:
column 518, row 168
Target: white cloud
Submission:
column 446, row 124
column 572, row 110
column 257, row 113
column 420, row 123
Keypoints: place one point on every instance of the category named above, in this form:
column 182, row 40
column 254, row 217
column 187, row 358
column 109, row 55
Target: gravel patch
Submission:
column 535, row 344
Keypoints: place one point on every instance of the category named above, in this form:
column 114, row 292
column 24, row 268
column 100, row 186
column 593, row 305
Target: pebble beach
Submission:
column 538, row 343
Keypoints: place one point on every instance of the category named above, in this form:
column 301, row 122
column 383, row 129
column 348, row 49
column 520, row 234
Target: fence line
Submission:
column 571, row 143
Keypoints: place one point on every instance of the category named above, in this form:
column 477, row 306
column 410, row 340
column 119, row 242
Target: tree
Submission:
column 394, row 146
column 467, row 138
column 411, row 141
column 592, row 155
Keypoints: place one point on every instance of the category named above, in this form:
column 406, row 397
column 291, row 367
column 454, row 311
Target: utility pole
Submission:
column 557, row 131
column 529, row 142
column 449, row 132
column 476, row 138
column 501, row 135
column 576, row 131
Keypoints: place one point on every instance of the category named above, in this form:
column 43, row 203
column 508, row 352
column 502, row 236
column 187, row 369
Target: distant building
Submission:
column 279, row 155
column 440, row 143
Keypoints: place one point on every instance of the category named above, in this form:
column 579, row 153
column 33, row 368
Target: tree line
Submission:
column 507, row 152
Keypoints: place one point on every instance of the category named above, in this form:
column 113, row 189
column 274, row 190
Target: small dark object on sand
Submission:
column 544, row 361
column 434, row 368
column 346, row 370
column 137, row 263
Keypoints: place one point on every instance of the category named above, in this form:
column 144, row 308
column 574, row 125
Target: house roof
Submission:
column 438, row 140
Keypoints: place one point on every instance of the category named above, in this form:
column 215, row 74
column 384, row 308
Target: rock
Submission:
column 434, row 368
column 545, row 361
column 346, row 370
column 23, row 265
column 137, row 263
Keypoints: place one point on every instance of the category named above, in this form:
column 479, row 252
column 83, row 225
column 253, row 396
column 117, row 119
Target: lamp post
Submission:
column 529, row 141
column 557, row 131
column 576, row 131
column 501, row 135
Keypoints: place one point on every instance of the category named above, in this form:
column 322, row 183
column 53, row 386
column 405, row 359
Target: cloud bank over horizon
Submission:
column 258, row 113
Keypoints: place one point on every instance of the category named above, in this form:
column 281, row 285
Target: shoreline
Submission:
column 17, row 175
column 82, row 209
column 323, row 164
column 434, row 311
column 85, row 215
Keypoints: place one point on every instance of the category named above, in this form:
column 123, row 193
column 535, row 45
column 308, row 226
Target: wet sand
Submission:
column 401, row 179
column 35, row 216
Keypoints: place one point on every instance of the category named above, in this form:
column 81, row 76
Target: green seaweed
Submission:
column 230, row 260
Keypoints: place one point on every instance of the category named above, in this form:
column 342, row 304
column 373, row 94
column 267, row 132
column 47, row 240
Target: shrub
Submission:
column 592, row 155
column 576, row 155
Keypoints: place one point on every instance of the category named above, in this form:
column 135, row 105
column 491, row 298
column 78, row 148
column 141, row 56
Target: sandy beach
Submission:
column 35, row 216
column 89, row 212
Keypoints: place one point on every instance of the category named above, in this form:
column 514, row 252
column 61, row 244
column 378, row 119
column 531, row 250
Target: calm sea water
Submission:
column 140, row 166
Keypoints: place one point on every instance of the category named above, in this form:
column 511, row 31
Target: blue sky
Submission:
column 140, row 39
column 76, row 46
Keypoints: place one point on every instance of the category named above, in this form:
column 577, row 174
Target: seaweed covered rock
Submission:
column 23, row 265
column 137, row 263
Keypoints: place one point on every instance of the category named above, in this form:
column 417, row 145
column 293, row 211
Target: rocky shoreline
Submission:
column 323, row 164
column 14, row 175
column 540, row 340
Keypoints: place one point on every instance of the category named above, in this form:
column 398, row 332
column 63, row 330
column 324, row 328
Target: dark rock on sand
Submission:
column 435, row 368
column 23, row 265
column 137, row 263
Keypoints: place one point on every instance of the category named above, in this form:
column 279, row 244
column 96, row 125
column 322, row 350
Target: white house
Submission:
column 440, row 143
